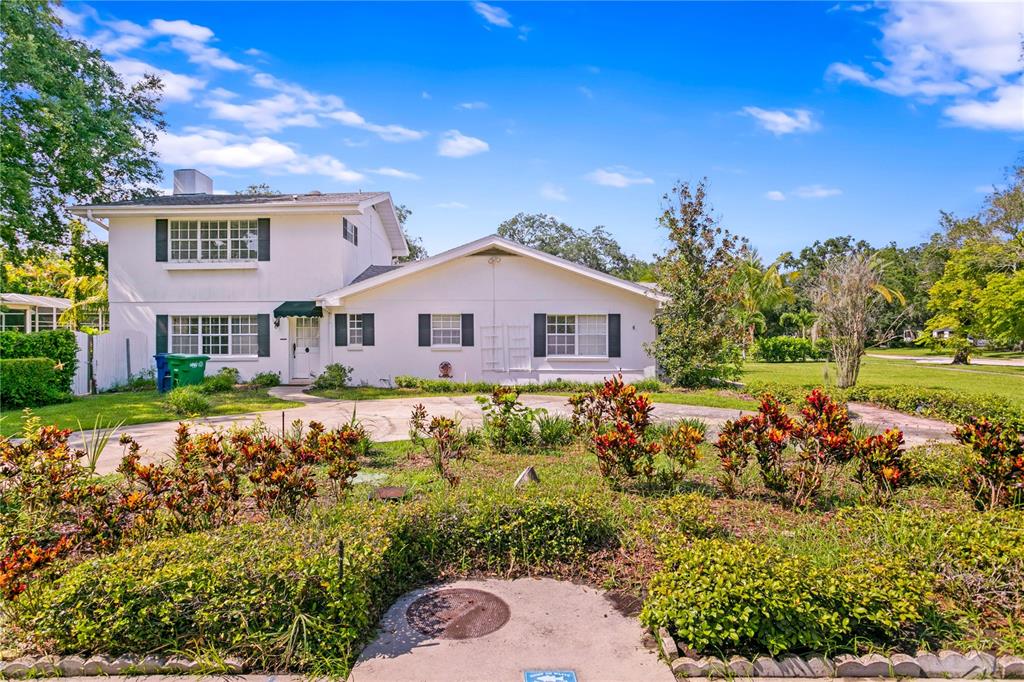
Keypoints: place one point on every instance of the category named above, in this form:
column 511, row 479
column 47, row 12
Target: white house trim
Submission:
column 335, row 298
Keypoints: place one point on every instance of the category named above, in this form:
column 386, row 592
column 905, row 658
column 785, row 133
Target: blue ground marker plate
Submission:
column 549, row 676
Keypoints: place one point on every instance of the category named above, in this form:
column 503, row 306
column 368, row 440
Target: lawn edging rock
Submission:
column 103, row 666
column 942, row 664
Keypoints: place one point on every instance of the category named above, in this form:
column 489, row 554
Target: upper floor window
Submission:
column 350, row 231
column 577, row 335
column 213, row 240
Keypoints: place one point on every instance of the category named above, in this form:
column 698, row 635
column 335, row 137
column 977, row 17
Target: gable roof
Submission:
column 485, row 245
column 350, row 203
column 373, row 271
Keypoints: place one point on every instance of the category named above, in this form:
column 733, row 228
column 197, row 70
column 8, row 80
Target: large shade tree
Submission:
column 71, row 130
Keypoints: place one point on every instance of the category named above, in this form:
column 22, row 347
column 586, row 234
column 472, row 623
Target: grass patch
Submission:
column 1006, row 382
column 139, row 408
column 917, row 351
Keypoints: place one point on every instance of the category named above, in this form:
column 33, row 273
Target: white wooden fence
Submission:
column 114, row 358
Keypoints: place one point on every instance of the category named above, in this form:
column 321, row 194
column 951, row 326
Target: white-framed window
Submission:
column 215, row 334
column 46, row 318
column 577, row 335
column 446, row 330
column 213, row 240
column 355, row 330
column 350, row 231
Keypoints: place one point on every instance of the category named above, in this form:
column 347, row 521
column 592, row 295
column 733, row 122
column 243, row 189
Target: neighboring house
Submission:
column 29, row 313
column 292, row 283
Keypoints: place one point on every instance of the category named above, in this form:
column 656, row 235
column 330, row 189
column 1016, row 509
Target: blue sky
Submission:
column 809, row 119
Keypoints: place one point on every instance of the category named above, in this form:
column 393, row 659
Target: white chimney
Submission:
column 191, row 181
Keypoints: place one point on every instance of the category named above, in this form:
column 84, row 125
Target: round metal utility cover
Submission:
column 457, row 614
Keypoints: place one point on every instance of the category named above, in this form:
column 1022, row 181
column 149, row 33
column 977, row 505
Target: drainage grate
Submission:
column 457, row 614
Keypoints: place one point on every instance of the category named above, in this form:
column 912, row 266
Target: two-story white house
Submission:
column 290, row 283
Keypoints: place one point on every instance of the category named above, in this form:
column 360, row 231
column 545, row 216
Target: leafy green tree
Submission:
column 699, row 336
column 596, row 249
column 70, row 129
column 258, row 189
column 800, row 319
column 758, row 289
column 416, row 249
column 978, row 295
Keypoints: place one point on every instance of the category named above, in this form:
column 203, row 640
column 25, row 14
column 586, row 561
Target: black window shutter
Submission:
column 355, row 235
column 161, row 241
column 467, row 329
column 368, row 329
column 161, row 332
column 340, row 329
column 263, row 335
column 424, row 323
column 540, row 335
column 614, row 335
column 263, row 239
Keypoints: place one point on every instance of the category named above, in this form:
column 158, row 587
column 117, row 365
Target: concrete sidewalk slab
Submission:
column 554, row 625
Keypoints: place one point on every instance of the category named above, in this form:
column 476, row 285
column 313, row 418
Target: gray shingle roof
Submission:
column 243, row 199
column 373, row 271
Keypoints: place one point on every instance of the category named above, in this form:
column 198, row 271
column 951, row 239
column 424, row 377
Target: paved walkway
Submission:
column 552, row 625
column 388, row 419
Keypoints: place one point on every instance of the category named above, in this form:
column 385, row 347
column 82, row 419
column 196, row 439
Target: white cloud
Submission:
column 201, row 53
column 618, row 176
column 182, row 29
column 471, row 105
column 451, row 204
column 424, row 95
column 324, row 165
column 269, row 114
column 816, row 192
column 394, row 173
column 113, row 44
column 775, row 195
column 967, row 51
column 177, row 87
column 456, row 145
column 217, row 148
column 492, row 14
column 1005, row 111
column 585, row 91
column 553, row 192
column 72, row 20
column 783, row 121
column 255, row 52
column 524, row 33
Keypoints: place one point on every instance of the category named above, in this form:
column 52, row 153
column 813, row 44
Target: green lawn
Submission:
column 917, row 351
column 137, row 408
column 703, row 398
column 1007, row 382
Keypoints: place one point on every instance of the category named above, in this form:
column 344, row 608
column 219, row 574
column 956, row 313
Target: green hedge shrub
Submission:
column 272, row 593
column 719, row 595
column 784, row 349
column 222, row 382
column 334, row 376
column 29, row 382
column 557, row 386
column 266, row 379
column 59, row 345
column 187, row 401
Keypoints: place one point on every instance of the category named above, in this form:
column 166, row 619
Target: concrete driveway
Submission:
column 388, row 419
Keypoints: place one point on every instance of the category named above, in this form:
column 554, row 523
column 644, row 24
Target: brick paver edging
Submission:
column 942, row 664
column 76, row 666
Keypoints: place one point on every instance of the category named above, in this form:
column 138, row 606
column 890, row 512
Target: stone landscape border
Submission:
column 100, row 665
column 941, row 664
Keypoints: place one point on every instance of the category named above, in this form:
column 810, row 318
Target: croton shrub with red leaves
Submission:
column 797, row 458
column 51, row 505
column 995, row 478
column 615, row 419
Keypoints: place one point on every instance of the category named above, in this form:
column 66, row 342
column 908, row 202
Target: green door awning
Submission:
column 298, row 309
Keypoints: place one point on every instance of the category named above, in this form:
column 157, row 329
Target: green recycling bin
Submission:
column 186, row 370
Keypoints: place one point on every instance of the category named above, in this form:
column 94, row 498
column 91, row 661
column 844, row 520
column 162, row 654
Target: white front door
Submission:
column 305, row 348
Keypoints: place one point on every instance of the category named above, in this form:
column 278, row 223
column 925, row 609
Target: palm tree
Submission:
column 801, row 319
column 757, row 289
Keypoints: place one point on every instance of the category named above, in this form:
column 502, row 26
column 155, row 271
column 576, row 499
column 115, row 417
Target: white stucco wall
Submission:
column 307, row 257
column 507, row 292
